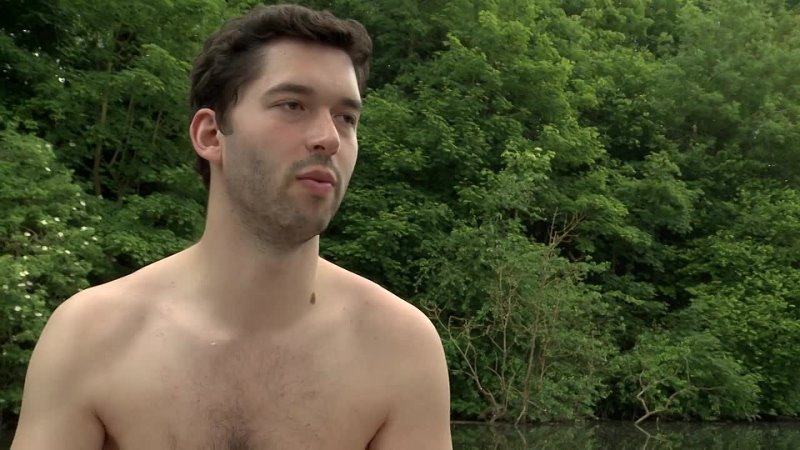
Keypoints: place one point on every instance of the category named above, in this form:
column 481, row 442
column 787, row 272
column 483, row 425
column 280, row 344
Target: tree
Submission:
column 745, row 284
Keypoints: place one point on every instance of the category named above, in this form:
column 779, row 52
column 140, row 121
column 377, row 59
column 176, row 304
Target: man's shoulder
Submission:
column 106, row 316
column 94, row 317
column 387, row 319
column 404, row 356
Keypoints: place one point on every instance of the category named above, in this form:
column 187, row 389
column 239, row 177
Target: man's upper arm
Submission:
column 419, row 416
column 56, row 412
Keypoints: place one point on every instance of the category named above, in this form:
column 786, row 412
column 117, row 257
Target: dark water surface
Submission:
column 615, row 435
column 625, row 435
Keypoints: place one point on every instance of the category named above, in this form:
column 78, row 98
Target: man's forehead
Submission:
column 297, row 52
column 307, row 68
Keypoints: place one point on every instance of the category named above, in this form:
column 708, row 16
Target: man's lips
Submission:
column 319, row 181
column 318, row 175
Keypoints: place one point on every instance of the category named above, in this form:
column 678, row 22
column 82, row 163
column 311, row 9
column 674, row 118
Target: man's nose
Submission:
column 323, row 136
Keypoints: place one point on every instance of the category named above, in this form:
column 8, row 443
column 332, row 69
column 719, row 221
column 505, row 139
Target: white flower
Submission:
column 57, row 219
column 84, row 228
column 43, row 222
column 83, row 203
column 20, row 284
column 47, row 169
column 67, row 252
column 37, row 314
column 44, row 248
column 26, row 234
column 17, row 308
column 27, row 296
column 60, row 234
column 94, row 238
column 85, row 243
column 24, row 273
column 29, row 283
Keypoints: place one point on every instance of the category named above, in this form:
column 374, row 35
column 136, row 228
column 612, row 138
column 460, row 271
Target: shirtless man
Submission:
column 248, row 339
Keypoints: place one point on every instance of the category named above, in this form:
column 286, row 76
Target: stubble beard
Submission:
column 261, row 198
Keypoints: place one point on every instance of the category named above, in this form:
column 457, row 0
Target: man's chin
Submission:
column 313, row 227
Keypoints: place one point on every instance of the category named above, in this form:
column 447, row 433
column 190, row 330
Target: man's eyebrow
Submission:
column 292, row 88
column 302, row 89
column 352, row 103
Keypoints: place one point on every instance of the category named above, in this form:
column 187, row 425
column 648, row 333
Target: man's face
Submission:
column 292, row 147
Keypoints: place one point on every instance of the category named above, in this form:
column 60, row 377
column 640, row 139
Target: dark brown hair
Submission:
column 231, row 57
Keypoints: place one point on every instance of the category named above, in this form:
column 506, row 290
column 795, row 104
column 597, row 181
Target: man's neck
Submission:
column 250, row 285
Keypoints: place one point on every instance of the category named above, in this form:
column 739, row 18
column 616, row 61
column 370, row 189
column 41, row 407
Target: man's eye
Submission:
column 351, row 120
column 291, row 106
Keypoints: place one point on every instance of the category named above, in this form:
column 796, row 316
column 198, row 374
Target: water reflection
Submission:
column 614, row 435
column 624, row 436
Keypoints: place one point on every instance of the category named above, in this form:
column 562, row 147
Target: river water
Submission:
column 616, row 436
column 625, row 435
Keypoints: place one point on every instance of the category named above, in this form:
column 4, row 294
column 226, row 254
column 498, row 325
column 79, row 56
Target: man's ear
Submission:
column 204, row 132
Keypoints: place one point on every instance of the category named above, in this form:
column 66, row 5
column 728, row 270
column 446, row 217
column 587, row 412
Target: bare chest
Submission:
column 216, row 395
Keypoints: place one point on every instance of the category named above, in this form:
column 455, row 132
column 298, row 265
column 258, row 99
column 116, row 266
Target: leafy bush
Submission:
column 48, row 247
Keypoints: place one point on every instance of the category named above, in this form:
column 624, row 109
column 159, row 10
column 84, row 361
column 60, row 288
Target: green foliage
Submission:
column 596, row 200
column 518, row 322
column 746, row 292
column 48, row 247
column 689, row 377
column 518, row 326
column 97, row 108
column 735, row 72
